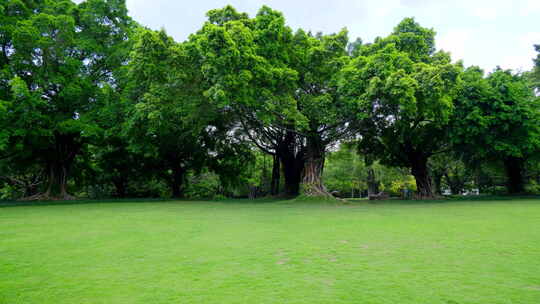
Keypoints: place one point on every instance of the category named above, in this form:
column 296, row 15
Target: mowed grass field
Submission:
column 271, row 252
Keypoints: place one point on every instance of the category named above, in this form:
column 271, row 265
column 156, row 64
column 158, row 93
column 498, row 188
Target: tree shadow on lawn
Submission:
column 6, row 204
column 281, row 201
column 458, row 199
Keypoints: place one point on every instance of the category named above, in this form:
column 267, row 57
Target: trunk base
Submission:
column 514, row 172
column 48, row 197
column 419, row 169
column 420, row 196
column 315, row 190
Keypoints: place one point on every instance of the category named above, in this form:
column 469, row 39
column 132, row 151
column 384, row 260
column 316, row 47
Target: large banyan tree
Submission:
column 497, row 120
column 55, row 56
column 406, row 92
column 282, row 86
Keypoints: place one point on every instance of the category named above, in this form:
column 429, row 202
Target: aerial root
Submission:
column 48, row 197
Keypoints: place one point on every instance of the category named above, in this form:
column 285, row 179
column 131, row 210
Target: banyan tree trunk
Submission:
column 120, row 186
column 276, row 170
column 58, row 167
column 58, row 173
column 514, row 173
column 437, row 180
column 419, row 169
column 177, row 181
column 292, row 163
column 312, row 184
column 372, row 183
column 292, row 173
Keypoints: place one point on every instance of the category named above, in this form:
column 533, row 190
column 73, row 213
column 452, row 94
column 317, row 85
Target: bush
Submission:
column 533, row 187
column 495, row 190
column 204, row 185
column 397, row 186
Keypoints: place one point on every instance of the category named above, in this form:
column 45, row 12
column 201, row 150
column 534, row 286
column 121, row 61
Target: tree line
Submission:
column 91, row 102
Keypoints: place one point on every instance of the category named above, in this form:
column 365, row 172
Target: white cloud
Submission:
column 455, row 42
column 481, row 32
column 486, row 12
column 521, row 59
column 530, row 7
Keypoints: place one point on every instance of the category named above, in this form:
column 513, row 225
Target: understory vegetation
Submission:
column 96, row 105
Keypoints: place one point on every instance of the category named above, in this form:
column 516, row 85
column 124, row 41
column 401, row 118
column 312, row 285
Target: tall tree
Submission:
column 325, row 117
column 245, row 62
column 497, row 119
column 113, row 162
column 169, row 118
column 55, row 56
column 405, row 91
column 278, row 82
column 273, row 41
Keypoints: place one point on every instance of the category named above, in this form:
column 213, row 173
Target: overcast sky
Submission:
column 481, row 32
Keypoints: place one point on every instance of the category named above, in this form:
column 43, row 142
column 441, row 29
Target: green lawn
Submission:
column 271, row 252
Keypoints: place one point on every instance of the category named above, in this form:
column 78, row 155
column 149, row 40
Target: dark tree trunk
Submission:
column 57, row 167
column 31, row 188
column 292, row 174
column 372, row 183
column 437, row 181
column 456, row 183
column 514, row 173
column 276, row 170
column 312, row 184
column 419, row 169
column 177, row 181
column 58, row 174
column 120, row 185
column 292, row 161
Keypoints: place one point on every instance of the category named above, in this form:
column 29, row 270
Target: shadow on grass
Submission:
column 301, row 200
column 457, row 199
column 5, row 204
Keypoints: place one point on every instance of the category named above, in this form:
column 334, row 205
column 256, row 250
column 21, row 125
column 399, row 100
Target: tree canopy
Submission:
column 94, row 104
column 405, row 91
column 498, row 120
column 56, row 55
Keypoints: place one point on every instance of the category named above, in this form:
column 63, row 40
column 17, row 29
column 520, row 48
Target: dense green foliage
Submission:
column 95, row 105
column 56, row 56
column 346, row 174
column 406, row 94
column 497, row 119
column 484, row 252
